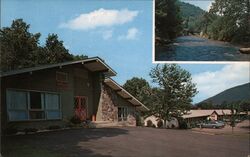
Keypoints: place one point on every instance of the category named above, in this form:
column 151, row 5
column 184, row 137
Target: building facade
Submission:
column 52, row 94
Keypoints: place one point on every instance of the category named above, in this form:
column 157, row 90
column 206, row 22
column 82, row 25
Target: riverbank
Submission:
column 196, row 48
column 236, row 44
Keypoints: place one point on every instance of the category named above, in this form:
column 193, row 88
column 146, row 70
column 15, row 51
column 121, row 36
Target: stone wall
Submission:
column 108, row 107
column 131, row 120
column 109, row 104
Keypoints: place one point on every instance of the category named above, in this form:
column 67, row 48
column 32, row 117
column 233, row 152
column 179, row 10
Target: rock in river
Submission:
column 245, row 50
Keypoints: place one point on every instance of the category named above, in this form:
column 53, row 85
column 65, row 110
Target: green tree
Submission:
column 245, row 105
column 234, row 23
column 174, row 93
column 18, row 46
column 79, row 57
column 206, row 105
column 167, row 19
column 140, row 89
column 137, row 87
column 20, row 49
column 235, row 110
column 54, row 50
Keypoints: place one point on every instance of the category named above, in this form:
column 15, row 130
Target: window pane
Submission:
column 35, row 100
column 18, row 115
column 52, row 101
column 36, row 114
column 125, row 113
column 119, row 114
column 53, row 114
column 17, row 100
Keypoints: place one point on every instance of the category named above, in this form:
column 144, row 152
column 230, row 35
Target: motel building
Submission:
column 213, row 115
column 48, row 95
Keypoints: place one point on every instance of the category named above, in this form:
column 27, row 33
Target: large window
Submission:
column 52, row 105
column 30, row 105
column 36, row 109
column 17, row 105
column 122, row 113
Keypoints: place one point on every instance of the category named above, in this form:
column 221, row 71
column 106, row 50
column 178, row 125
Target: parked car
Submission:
column 213, row 124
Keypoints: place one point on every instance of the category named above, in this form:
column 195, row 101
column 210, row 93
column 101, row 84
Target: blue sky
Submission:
column 118, row 31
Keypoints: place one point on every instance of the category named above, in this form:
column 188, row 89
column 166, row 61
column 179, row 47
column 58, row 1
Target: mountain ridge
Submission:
column 237, row 93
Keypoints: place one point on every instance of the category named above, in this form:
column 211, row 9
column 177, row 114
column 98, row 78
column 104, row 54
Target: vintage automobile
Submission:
column 213, row 124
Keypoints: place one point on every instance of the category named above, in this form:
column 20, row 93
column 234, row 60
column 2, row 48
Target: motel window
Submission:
column 36, row 110
column 29, row 105
column 17, row 105
column 122, row 113
column 52, row 103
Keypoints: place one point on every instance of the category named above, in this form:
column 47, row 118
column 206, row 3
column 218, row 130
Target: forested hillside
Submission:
column 236, row 95
column 191, row 17
column 227, row 20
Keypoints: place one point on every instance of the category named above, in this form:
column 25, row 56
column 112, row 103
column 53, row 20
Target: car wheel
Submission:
column 214, row 127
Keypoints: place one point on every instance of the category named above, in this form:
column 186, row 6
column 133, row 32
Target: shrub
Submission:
column 75, row 120
column 183, row 125
column 139, row 121
column 149, row 123
column 172, row 126
column 160, row 124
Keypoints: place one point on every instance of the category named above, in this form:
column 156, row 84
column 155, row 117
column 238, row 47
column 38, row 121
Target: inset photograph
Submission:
column 202, row 31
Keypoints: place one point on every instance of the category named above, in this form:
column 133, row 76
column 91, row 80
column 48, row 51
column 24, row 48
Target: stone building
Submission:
column 52, row 94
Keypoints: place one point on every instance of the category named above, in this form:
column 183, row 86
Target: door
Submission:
column 81, row 107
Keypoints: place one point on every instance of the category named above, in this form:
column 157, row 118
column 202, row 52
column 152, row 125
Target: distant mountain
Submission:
column 189, row 10
column 241, row 92
column 192, row 17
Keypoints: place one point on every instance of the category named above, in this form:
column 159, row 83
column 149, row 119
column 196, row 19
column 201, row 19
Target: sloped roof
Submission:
column 93, row 64
column 125, row 94
column 203, row 113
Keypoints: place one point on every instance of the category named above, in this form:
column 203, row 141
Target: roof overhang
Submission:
column 125, row 94
column 94, row 64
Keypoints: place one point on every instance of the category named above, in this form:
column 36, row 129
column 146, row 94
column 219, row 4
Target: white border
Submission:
column 183, row 62
column 153, row 32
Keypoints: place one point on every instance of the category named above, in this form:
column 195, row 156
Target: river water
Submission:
column 192, row 48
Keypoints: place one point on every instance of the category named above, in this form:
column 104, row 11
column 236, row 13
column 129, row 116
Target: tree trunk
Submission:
column 164, row 123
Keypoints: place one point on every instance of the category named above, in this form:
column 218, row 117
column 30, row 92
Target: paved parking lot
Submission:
column 134, row 142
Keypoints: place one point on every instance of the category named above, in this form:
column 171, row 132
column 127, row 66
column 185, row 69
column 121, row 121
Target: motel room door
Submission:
column 81, row 107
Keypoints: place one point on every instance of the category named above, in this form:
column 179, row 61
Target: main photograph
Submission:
column 77, row 80
column 214, row 30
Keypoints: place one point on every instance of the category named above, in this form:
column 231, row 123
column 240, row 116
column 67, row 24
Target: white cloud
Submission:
column 132, row 34
column 107, row 34
column 100, row 18
column 211, row 83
